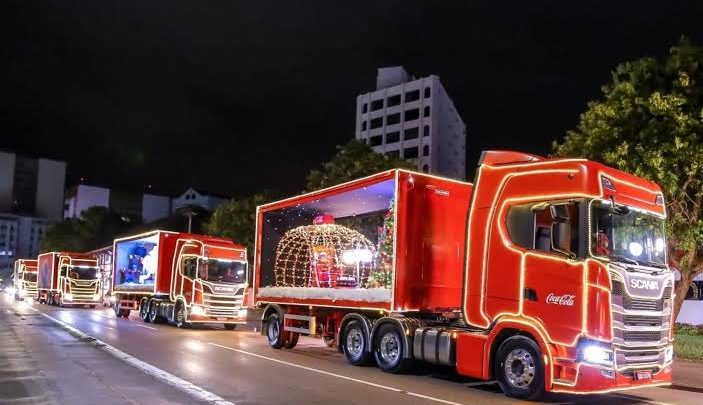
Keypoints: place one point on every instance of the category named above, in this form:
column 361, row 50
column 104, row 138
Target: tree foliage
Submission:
column 96, row 227
column 352, row 161
column 650, row 123
column 236, row 219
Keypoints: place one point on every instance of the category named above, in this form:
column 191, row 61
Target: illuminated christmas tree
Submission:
column 383, row 275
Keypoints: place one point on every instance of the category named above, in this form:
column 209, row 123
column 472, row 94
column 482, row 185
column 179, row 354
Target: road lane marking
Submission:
column 144, row 326
column 344, row 377
column 166, row 377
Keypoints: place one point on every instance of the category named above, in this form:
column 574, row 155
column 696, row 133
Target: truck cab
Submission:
column 25, row 279
column 69, row 278
column 573, row 254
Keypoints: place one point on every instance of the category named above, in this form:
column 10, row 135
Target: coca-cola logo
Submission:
column 566, row 299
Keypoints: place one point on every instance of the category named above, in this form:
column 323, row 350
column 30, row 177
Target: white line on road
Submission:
column 168, row 378
column 144, row 326
column 385, row 387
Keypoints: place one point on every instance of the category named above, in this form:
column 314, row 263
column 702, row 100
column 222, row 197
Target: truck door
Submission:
column 553, row 269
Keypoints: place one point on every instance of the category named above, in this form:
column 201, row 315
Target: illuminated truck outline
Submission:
column 589, row 327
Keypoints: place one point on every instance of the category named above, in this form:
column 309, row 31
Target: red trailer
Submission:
column 546, row 275
column 179, row 277
column 25, row 279
column 68, row 278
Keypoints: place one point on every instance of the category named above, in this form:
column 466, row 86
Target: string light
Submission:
column 312, row 256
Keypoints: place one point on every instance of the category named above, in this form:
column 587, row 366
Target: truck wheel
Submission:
column 519, row 369
column 291, row 340
column 181, row 316
column 124, row 313
column 116, row 308
column 230, row 326
column 355, row 344
column 389, row 349
column 144, row 310
column 274, row 331
column 154, row 316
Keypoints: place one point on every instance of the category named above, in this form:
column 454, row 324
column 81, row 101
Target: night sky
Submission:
column 234, row 97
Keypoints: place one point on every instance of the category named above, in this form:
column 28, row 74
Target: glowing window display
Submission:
column 341, row 242
column 136, row 262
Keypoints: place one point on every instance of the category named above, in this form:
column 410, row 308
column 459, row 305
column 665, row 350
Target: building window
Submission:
column 410, row 153
column 425, row 168
column 393, row 119
column 412, row 114
column 376, row 105
column 363, row 126
column 392, row 137
column 426, row 150
column 393, row 153
column 364, row 108
column 410, row 133
column 376, row 140
column 426, row 111
column 427, row 92
column 412, row 96
column 376, row 123
column 426, row 130
column 393, row 100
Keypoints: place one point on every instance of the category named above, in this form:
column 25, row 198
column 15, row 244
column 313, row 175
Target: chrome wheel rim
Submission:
column 355, row 343
column 519, row 368
column 389, row 348
column 273, row 330
column 181, row 316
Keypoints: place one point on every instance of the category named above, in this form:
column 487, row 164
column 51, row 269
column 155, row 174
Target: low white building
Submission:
column 414, row 119
column 193, row 197
column 148, row 207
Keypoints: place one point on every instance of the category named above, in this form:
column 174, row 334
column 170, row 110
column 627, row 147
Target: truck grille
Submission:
column 640, row 304
column 640, row 320
column 632, row 336
column 83, row 290
column 223, row 305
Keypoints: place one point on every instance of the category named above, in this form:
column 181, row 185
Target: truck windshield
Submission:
column 32, row 277
column 83, row 273
column 222, row 271
column 626, row 235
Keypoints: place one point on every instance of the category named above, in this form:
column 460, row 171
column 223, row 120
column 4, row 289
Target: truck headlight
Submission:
column 597, row 355
column 11, row 290
column 197, row 310
column 242, row 313
column 68, row 297
column 96, row 297
column 113, row 299
column 669, row 356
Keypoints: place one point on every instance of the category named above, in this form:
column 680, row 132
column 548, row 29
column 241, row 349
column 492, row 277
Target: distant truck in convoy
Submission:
column 68, row 278
column 25, row 279
column 545, row 274
column 180, row 278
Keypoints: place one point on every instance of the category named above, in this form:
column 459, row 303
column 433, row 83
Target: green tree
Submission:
column 649, row 122
column 352, row 161
column 236, row 219
column 96, row 227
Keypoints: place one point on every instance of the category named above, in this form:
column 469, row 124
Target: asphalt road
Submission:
column 240, row 367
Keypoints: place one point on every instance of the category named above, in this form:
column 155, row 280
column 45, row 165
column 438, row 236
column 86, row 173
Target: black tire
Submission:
column 92, row 306
column 49, row 300
column 144, row 310
column 181, row 316
column 124, row 313
column 154, row 316
column 230, row 326
column 355, row 344
column 274, row 331
column 523, row 375
column 291, row 339
column 389, row 349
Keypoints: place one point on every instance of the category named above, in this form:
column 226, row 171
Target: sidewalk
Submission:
column 41, row 363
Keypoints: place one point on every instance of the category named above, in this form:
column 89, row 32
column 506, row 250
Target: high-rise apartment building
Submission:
column 414, row 119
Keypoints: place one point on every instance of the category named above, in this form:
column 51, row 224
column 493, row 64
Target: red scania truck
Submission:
column 25, row 279
column 68, row 278
column 547, row 275
column 180, row 278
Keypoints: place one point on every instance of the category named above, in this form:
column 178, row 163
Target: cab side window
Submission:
column 550, row 227
column 189, row 267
